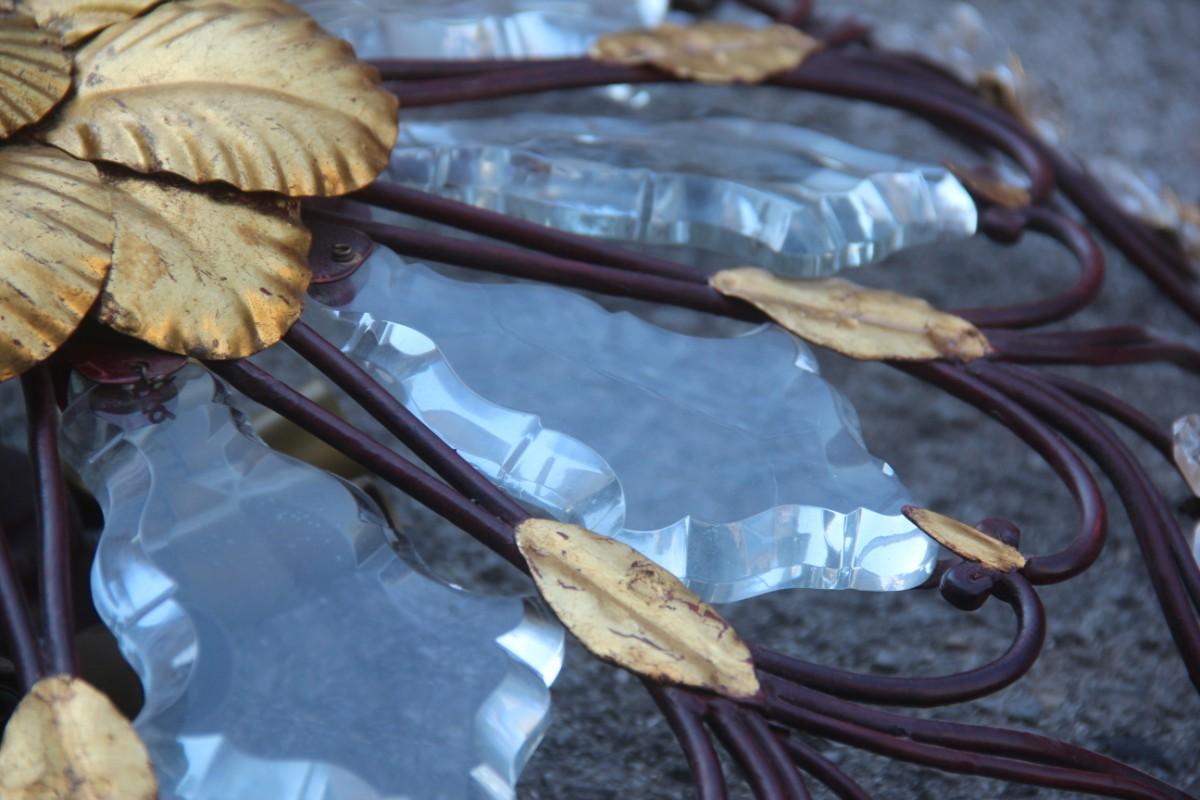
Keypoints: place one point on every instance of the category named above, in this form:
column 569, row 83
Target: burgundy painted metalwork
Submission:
column 1052, row 414
column 54, row 523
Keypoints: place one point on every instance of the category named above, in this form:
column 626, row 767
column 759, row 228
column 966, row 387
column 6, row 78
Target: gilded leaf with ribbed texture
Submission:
column 56, row 234
column 965, row 541
column 254, row 94
column 75, row 20
column 203, row 272
column 626, row 609
column 35, row 73
column 67, row 741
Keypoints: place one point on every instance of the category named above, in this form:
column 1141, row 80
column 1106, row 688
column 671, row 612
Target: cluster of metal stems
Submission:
column 1048, row 412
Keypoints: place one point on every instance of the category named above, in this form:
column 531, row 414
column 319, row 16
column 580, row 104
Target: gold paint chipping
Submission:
column 207, row 274
column 970, row 543
column 66, row 741
column 254, row 94
column 75, row 20
column 56, row 235
column 709, row 52
column 35, row 73
column 867, row 324
column 628, row 610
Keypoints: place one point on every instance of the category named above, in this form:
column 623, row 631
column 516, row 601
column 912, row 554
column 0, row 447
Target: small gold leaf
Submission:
column 253, row 93
column 628, row 610
column 867, row 324
column 67, row 741
column 35, row 73
column 203, row 273
column 75, row 20
column 970, row 543
column 709, row 52
column 992, row 189
column 56, row 234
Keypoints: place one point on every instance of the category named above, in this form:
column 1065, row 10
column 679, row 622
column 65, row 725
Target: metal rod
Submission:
column 54, row 523
column 683, row 713
column 18, row 622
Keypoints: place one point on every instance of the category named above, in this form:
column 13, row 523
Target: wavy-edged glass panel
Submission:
column 288, row 646
column 730, row 461
column 776, row 195
column 479, row 28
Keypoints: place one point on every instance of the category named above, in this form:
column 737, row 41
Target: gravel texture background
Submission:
column 1108, row 678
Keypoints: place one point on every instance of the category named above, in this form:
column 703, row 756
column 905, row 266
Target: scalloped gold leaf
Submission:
column 628, row 610
column 709, row 52
column 56, row 234
column 203, row 272
column 862, row 323
column 254, row 94
column 35, row 73
column 66, row 741
column 75, row 20
column 966, row 541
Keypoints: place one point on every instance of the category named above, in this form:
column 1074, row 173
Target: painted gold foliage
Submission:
column 75, row 20
column 35, row 73
column 626, row 609
column 251, row 93
column 205, row 273
column 56, row 234
column 867, row 324
column 710, row 52
column 963, row 540
column 66, row 741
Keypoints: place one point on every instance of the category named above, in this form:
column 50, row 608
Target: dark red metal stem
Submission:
column 684, row 713
column 1063, row 229
column 824, row 770
column 1102, row 348
column 54, row 523
column 400, row 422
column 18, row 622
column 937, row 691
column 260, row 386
column 1155, row 434
column 789, row 775
column 1158, row 534
column 417, row 203
column 739, row 738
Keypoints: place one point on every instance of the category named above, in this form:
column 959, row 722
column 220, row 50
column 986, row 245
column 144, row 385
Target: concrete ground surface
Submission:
column 1109, row 678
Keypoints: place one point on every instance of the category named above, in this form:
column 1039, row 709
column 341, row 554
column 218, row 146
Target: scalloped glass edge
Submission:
column 151, row 628
column 824, row 205
column 409, row 365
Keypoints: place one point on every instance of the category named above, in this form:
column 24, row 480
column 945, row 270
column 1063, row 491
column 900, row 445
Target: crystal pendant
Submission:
column 729, row 461
column 289, row 645
column 478, row 28
column 715, row 191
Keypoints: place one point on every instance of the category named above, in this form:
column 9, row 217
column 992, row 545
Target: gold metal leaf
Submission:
column 75, row 20
column 867, row 324
column 252, row 93
column 992, row 189
column 204, row 273
column 67, row 741
column 35, row 73
column 628, row 610
column 56, row 235
column 970, row 543
column 709, row 52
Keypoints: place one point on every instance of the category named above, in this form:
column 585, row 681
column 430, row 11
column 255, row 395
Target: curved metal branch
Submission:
column 824, row 770
column 684, row 714
column 18, row 622
column 745, row 745
column 942, row 690
column 54, row 523
column 400, row 422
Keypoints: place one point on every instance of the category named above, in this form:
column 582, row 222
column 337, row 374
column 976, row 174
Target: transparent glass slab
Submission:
column 729, row 461
column 770, row 194
column 288, row 642
column 479, row 28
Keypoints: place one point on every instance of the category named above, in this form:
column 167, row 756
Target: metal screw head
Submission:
column 343, row 253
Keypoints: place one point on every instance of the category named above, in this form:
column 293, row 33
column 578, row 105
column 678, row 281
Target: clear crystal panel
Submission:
column 289, row 644
column 771, row 194
column 730, row 461
column 478, row 28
